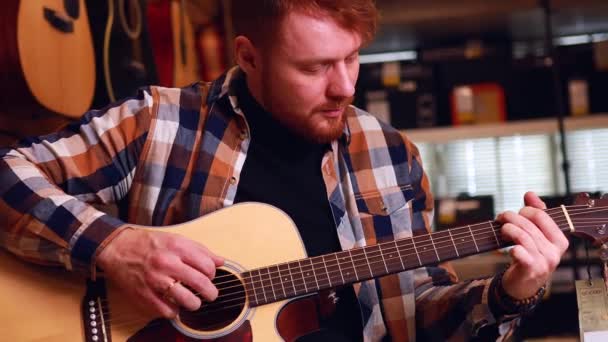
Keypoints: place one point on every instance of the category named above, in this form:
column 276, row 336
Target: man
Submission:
column 277, row 129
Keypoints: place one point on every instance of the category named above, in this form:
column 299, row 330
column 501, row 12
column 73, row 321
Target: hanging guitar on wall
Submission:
column 173, row 42
column 122, row 48
column 47, row 60
column 211, row 45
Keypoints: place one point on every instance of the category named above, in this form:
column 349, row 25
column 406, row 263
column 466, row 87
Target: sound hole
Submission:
column 224, row 310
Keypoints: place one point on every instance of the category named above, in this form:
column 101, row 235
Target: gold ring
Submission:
column 169, row 287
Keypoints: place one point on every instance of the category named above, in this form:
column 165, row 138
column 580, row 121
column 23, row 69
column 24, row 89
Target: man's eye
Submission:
column 315, row 68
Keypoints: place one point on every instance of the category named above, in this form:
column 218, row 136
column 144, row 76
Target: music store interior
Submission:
column 500, row 97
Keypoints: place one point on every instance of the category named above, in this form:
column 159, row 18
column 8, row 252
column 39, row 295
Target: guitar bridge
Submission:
column 94, row 313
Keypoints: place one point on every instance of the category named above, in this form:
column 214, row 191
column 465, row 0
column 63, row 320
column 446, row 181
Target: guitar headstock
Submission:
column 589, row 217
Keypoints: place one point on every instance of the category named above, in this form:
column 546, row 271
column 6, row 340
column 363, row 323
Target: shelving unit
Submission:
column 416, row 26
column 502, row 129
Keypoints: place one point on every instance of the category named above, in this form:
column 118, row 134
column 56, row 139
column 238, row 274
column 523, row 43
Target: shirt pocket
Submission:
column 386, row 212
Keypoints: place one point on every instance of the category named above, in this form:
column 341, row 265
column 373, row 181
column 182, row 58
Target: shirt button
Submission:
column 232, row 180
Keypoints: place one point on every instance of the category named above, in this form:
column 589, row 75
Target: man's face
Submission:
column 308, row 77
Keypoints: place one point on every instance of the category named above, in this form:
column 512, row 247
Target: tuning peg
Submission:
column 582, row 198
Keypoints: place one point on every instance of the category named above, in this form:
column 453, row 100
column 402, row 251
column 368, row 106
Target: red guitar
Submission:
column 173, row 43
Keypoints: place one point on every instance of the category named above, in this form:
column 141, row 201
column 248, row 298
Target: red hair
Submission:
column 260, row 20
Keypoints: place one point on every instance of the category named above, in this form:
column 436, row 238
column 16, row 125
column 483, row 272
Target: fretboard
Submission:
column 300, row 277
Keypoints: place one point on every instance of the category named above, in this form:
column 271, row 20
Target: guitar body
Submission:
column 241, row 233
column 161, row 40
column 211, row 50
column 122, row 49
column 185, row 58
column 47, row 57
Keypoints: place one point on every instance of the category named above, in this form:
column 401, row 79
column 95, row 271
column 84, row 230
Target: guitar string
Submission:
column 269, row 275
column 242, row 303
column 379, row 254
column 435, row 240
column 334, row 277
column 571, row 215
column 117, row 320
column 438, row 240
column 211, row 308
column 223, row 307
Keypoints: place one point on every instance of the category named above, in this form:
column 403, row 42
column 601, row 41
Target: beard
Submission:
column 314, row 126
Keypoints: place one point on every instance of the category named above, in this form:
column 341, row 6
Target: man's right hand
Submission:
column 146, row 265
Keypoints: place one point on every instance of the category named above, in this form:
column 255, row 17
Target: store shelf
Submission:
column 500, row 129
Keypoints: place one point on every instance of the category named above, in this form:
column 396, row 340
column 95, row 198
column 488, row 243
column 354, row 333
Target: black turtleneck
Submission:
column 284, row 170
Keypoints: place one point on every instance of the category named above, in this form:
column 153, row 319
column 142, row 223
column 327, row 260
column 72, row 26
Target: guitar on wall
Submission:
column 261, row 290
column 47, row 58
column 122, row 48
column 173, row 42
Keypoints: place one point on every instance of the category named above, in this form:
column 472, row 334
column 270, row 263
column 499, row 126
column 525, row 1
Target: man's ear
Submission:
column 245, row 54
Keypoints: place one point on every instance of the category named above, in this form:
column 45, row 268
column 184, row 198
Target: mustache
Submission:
column 336, row 105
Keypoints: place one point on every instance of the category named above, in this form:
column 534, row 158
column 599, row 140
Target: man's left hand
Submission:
column 539, row 246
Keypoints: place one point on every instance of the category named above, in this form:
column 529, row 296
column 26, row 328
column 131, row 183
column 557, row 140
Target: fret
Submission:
column 369, row 266
column 352, row 261
column 375, row 260
column 444, row 245
column 463, row 243
column 425, row 249
column 383, row 259
column 333, row 270
column 326, row 270
column 299, row 284
column 390, row 257
column 434, row 247
column 286, row 279
column 277, row 280
column 303, row 278
column 494, row 232
column 362, row 269
column 320, row 272
column 399, row 254
column 470, row 230
column 339, row 268
column 453, row 243
column 251, row 285
column 311, row 269
column 266, row 277
column 416, row 250
column 485, row 240
column 346, row 266
column 262, row 287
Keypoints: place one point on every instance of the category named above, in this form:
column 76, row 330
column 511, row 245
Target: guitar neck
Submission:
column 304, row 276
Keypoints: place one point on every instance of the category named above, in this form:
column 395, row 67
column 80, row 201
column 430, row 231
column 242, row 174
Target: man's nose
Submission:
column 341, row 84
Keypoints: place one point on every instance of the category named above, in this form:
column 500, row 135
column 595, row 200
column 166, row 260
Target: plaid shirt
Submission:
column 171, row 155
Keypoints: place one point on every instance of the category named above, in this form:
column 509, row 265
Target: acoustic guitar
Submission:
column 266, row 275
column 47, row 60
column 122, row 48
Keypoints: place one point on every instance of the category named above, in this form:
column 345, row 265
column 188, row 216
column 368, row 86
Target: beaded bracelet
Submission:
column 511, row 305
